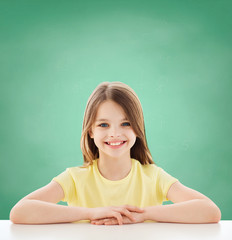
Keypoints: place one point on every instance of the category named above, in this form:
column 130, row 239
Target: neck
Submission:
column 114, row 169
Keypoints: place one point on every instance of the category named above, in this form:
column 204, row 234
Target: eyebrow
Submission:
column 103, row 119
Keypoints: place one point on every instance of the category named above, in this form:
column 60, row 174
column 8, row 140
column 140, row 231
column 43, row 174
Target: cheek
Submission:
column 99, row 135
column 131, row 135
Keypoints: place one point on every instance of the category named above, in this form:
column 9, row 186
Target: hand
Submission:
column 116, row 214
column 139, row 217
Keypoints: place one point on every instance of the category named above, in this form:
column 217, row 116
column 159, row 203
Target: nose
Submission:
column 114, row 131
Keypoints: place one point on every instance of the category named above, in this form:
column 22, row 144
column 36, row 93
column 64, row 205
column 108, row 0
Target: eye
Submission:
column 127, row 123
column 102, row 124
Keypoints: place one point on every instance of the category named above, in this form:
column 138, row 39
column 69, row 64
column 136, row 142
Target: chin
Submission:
column 115, row 155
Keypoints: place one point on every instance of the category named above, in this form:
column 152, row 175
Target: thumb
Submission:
column 135, row 209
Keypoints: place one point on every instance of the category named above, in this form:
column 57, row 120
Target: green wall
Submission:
column 176, row 55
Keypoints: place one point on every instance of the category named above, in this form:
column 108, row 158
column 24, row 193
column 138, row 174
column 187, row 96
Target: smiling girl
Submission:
column 118, row 183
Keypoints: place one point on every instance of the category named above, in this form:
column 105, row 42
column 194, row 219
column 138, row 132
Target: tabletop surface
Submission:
column 141, row 231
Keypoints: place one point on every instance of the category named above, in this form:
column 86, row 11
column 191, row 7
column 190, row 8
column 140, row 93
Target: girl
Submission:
column 119, row 183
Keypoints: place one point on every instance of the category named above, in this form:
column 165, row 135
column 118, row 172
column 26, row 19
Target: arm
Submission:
column 40, row 207
column 189, row 206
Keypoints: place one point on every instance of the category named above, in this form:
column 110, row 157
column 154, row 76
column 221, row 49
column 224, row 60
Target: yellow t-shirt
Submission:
column 145, row 185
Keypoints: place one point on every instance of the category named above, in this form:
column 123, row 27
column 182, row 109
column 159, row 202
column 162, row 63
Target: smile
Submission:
column 115, row 144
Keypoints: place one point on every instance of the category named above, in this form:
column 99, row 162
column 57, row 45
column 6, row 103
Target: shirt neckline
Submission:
column 116, row 181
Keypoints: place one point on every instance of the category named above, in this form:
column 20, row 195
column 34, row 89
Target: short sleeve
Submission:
column 66, row 181
column 165, row 182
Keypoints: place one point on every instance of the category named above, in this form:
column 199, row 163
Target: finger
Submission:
column 93, row 222
column 127, row 214
column 111, row 222
column 134, row 208
column 118, row 217
column 103, row 220
column 100, row 222
column 108, row 220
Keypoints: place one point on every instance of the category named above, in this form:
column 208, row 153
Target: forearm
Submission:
column 39, row 212
column 192, row 211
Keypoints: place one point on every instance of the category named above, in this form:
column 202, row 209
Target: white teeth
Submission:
column 115, row 144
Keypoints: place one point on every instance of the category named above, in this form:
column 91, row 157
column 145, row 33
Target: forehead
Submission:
column 110, row 109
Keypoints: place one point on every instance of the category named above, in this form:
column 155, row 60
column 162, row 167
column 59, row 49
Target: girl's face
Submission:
column 112, row 132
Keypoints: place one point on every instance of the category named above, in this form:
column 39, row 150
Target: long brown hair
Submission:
column 125, row 96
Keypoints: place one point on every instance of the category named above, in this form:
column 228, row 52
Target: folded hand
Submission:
column 125, row 215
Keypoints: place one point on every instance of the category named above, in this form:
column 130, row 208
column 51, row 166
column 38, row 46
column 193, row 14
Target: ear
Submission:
column 90, row 133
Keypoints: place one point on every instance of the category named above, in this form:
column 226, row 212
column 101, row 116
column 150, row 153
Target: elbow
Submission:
column 210, row 213
column 215, row 214
column 15, row 216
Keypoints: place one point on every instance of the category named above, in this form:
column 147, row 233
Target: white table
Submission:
column 141, row 231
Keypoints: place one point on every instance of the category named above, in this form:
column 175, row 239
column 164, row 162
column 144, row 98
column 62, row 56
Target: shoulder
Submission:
column 146, row 167
column 151, row 170
column 79, row 170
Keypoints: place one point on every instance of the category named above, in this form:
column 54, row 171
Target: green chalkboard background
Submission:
column 177, row 57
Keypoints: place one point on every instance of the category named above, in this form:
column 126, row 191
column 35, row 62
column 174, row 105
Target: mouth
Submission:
column 115, row 144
